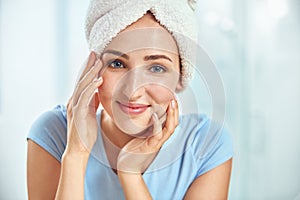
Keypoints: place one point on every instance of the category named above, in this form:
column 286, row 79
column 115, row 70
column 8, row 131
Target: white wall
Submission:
column 37, row 41
column 255, row 46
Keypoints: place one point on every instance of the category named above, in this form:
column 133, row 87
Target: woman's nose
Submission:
column 133, row 84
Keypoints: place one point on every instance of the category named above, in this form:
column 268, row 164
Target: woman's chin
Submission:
column 133, row 128
column 139, row 128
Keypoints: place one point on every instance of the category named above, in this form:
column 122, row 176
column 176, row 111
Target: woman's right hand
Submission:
column 82, row 131
column 81, row 110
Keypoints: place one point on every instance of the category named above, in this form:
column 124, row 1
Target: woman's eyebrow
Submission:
column 155, row 57
column 117, row 53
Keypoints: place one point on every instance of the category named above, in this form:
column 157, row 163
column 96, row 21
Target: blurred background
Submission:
column 254, row 44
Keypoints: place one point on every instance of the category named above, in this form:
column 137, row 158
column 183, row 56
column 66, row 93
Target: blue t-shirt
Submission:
column 197, row 146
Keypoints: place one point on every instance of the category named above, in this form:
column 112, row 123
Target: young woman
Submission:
column 137, row 146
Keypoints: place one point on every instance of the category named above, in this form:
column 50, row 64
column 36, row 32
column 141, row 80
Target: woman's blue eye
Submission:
column 116, row 64
column 157, row 69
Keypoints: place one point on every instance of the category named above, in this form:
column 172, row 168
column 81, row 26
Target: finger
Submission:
column 97, row 101
column 69, row 108
column 94, row 103
column 176, row 118
column 157, row 131
column 88, row 65
column 156, row 125
column 170, row 116
column 170, row 122
column 87, row 95
column 86, row 80
column 134, row 146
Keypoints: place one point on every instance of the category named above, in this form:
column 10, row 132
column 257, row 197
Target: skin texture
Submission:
column 47, row 178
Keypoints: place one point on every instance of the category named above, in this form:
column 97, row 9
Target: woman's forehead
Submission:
column 144, row 38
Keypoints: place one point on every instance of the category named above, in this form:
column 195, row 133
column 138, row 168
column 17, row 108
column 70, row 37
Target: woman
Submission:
column 137, row 146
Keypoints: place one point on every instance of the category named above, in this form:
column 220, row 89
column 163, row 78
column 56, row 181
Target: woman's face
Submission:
column 141, row 73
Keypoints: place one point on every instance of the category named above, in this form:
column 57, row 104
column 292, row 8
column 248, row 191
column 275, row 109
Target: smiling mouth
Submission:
column 133, row 108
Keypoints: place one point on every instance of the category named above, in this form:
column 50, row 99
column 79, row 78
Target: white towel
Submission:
column 106, row 18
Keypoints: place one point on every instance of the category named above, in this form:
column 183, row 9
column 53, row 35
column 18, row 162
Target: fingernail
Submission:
column 173, row 104
column 99, row 80
column 96, row 91
column 91, row 54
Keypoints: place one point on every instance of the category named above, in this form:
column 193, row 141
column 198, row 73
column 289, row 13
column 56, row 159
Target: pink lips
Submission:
column 133, row 108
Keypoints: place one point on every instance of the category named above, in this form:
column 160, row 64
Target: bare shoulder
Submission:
column 213, row 184
column 43, row 171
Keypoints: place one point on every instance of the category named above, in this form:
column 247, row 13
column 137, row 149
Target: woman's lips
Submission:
column 133, row 108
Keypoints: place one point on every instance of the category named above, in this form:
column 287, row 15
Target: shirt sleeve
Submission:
column 216, row 147
column 49, row 131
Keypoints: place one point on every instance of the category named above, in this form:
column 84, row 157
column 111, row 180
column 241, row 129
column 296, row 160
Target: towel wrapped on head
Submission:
column 106, row 18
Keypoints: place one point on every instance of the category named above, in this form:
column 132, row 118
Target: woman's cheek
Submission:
column 109, row 82
column 161, row 95
column 105, row 93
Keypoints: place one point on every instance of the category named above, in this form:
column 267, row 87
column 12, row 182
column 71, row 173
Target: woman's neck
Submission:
column 113, row 139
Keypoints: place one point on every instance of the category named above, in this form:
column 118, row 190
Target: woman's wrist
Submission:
column 72, row 157
column 71, row 183
column 127, row 179
column 134, row 186
column 126, row 175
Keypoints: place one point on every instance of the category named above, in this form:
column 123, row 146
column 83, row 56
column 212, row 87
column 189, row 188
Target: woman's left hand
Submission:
column 136, row 156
